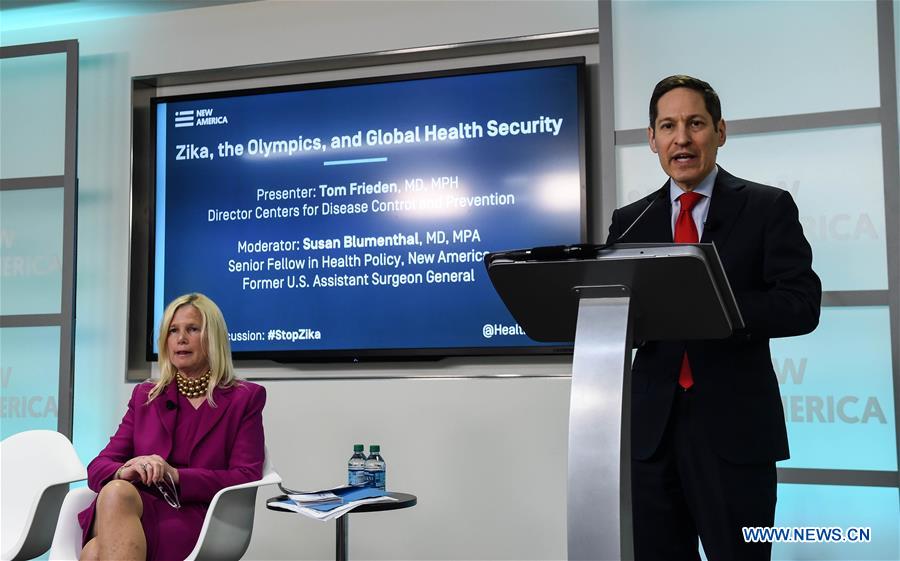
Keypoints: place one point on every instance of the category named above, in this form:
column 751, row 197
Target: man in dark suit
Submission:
column 707, row 421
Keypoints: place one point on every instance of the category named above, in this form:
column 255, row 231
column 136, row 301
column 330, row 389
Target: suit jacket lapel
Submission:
column 222, row 398
column 167, row 416
column 727, row 201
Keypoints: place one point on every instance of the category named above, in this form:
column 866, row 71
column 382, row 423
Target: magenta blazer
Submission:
column 229, row 448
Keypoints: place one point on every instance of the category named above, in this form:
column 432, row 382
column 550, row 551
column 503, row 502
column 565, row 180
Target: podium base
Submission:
column 599, row 485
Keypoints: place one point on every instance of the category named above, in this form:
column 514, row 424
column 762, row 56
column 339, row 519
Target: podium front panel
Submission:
column 673, row 293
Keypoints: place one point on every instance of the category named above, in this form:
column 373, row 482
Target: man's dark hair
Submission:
column 710, row 97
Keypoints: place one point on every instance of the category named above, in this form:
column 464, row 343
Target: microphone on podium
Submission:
column 659, row 195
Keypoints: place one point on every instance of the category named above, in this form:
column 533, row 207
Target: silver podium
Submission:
column 604, row 298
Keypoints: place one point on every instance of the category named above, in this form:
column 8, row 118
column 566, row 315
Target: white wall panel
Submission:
column 763, row 58
column 486, row 458
column 32, row 114
column 31, row 251
column 831, row 506
column 29, row 379
column 837, row 392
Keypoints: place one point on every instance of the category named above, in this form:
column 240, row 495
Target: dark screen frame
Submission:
column 367, row 354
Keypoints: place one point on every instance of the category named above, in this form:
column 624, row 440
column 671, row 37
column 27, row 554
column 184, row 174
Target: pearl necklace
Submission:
column 192, row 387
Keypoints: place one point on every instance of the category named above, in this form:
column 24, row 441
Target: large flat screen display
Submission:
column 350, row 219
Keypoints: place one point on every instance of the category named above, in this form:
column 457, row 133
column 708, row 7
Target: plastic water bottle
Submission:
column 356, row 467
column 375, row 467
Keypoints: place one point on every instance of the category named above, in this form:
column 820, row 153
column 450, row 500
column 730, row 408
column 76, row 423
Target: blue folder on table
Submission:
column 348, row 495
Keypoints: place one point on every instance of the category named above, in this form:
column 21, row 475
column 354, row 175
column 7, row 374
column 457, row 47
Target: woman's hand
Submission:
column 147, row 470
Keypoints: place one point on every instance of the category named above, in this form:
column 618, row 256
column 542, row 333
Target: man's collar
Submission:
column 705, row 187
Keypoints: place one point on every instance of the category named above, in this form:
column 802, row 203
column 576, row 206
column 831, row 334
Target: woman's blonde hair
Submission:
column 215, row 342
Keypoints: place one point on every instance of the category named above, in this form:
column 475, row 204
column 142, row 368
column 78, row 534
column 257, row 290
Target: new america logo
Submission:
column 200, row 117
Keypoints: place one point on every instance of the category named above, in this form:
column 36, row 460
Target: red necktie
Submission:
column 686, row 232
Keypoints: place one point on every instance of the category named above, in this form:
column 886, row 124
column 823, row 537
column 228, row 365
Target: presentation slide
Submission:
column 347, row 218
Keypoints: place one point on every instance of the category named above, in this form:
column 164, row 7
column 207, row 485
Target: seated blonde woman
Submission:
column 184, row 437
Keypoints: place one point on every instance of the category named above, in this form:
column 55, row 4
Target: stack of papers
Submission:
column 330, row 503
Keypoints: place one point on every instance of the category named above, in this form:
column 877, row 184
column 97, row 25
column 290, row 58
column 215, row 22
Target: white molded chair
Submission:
column 225, row 534
column 67, row 539
column 37, row 467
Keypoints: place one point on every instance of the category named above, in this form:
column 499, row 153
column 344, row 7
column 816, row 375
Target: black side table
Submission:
column 342, row 528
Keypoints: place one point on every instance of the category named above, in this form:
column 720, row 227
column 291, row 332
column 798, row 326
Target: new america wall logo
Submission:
column 200, row 117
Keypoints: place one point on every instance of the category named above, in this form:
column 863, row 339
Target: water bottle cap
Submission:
column 375, row 448
column 358, row 447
